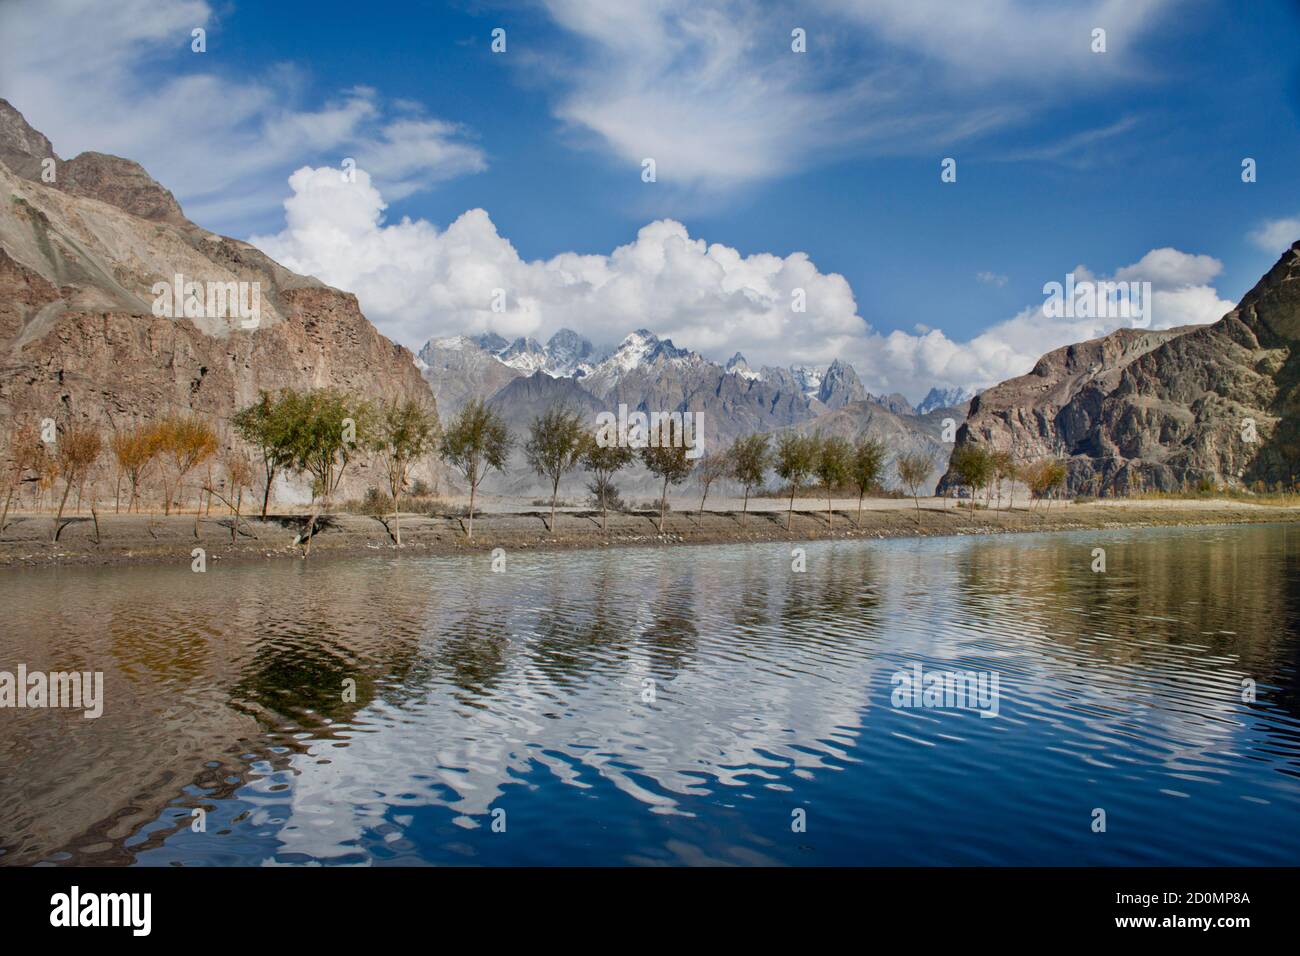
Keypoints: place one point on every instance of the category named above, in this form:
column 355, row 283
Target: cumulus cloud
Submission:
column 417, row 282
column 1181, row 294
column 87, row 75
column 1276, row 235
column 713, row 92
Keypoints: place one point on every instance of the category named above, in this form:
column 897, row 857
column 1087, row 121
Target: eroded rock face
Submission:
column 79, row 340
column 1157, row 410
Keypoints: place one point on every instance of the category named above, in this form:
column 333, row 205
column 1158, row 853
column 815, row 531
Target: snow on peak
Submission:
column 737, row 365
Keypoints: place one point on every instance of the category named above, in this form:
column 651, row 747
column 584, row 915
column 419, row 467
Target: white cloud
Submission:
column 1276, row 235
column 1181, row 295
column 86, row 75
column 419, row 282
column 416, row 281
column 991, row 278
column 712, row 91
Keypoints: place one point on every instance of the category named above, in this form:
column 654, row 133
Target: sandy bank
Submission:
column 130, row 539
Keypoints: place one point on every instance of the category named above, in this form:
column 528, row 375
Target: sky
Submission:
column 778, row 174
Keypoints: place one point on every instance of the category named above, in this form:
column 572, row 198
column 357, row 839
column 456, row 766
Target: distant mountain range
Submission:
column 465, row 366
column 520, row 378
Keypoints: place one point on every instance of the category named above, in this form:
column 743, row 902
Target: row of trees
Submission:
column 318, row 434
column 978, row 469
column 73, row 455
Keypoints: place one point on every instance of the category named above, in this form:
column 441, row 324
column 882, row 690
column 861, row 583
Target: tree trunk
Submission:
column 830, row 515
column 744, row 511
column 198, row 510
column 473, row 487
column 117, row 495
column 266, row 495
column 789, row 515
column 663, row 506
column 604, row 514
column 555, row 493
column 4, row 519
column 917, row 499
column 860, row 497
column 67, row 487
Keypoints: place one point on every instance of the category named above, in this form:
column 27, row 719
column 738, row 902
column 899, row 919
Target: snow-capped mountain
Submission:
column 809, row 378
column 943, row 398
column 736, row 365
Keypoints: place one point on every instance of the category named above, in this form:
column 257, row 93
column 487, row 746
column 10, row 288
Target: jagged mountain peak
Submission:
column 938, row 398
column 737, row 365
column 119, row 182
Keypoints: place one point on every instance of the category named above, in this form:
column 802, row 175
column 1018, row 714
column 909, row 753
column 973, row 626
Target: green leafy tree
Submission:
column 265, row 426
column 405, row 432
column 665, row 456
column 326, row 431
column 832, row 466
column 603, row 462
column 796, row 456
column 865, row 468
column 750, row 457
column 973, row 467
column 554, row 447
column 476, row 440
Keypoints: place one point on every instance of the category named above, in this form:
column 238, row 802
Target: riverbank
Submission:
column 141, row 539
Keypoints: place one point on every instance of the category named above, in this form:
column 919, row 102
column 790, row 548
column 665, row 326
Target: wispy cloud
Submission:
column 122, row 78
column 1276, row 235
column 712, row 90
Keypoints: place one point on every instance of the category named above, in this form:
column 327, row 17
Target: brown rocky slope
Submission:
column 1160, row 410
column 78, row 337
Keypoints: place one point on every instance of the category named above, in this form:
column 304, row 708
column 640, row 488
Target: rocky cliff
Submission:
column 79, row 337
column 1159, row 410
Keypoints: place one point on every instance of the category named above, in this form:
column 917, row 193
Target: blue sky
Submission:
column 1065, row 157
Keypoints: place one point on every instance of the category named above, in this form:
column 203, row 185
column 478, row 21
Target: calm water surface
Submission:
column 520, row 697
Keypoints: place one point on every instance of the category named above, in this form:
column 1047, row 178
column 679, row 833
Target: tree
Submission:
column 665, row 456
column 27, row 453
column 795, row 457
column 1014, row 472
column 865, row 468
column 832, row 466
column 708, row 469
column 973, row 467
column 326, row 429
column 75, row 453
column 186, row 441
column 1001, row 466
column 264, row 425
column 554, row 447
column 749, row 457
column 604, row 461
column 476, row 440
column 135, row 451
column 1044, row 476
column 239, row 475
column 405, row 432
column 913, row 470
